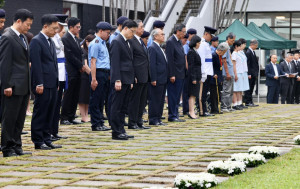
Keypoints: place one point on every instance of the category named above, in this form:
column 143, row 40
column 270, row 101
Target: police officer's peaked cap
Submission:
column 210, row 29
column 103, row 26
column 158, row 24
column 191, row 31
column 216, row 38
column 61, row 19
column 145, row 34
column 121, row 20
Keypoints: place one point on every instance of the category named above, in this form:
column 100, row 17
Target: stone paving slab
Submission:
column 153, row 159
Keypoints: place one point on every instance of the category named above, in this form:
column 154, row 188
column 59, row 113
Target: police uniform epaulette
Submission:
column 97, row 41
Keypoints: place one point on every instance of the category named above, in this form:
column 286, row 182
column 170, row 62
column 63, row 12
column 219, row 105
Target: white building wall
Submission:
column 205, row 18
column 270, row 5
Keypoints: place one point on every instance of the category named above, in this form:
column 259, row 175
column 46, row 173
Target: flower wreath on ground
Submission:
column 297, row 140
column 195, row 180
column 226, row 167
column 251, row 160
column 267, row 151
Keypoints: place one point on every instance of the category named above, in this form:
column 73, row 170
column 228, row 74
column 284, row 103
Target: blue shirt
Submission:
column 98, row 50
column 150, row 41
column 186, row 47
column 213, row 49
column 113, row 36
column 229, row 63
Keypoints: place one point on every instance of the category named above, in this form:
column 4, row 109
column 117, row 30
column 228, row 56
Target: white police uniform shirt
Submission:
column 206, row 59
column 59, row 48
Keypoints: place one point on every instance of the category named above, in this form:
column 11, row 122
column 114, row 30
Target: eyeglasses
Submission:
column 133, row 31
column 78, row 27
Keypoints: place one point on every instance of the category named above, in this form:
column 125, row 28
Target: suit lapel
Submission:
column 160, row 51
column 126, row 46
column 17, row 38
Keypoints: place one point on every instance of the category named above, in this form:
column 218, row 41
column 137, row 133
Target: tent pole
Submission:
column 258, row 82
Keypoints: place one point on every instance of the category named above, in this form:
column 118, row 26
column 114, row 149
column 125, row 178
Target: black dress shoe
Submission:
column 53, row 146
column 76, row 116
column 206, row 114
column 133, row 127
column 237, row 108
column 65, row 122
column 163, row 117
column 24, row 133
column 176, row 120
column 42, row 147
column 162, row 124
column 244, row 107
column 61, row 137
column 154, row 123
column 98, row 128
column 9, row 154
column 75, row 122
column 145, row 121
column 143, row 127
column 53, row 138
column 106, row 128
column 20, row 152
column 128, row 136
column 181, row 115
column 120, row 137
column 221, row 112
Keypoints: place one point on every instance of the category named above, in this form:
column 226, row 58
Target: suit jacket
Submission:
column 43, row 63
column 14, row 62
column 194, row 62
column 158, row 65
column 73, row 55
column 216, row 67
column 121, row 61
column 140, row 60
column 176, row 58
column 252, row 62
column 285, row 69
column 270, row 73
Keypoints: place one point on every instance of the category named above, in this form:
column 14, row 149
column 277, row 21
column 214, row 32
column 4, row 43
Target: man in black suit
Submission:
column 138, row 95
column 273, row 72
column 176, row 69
column 122, row 76
column 287, row 82
column 44, row 82
column 296, row 88
column 158, row 77
column 74, row 66
column 15, row 82
column 253, row 69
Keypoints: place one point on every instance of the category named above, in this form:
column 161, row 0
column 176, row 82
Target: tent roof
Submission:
column 289, row 43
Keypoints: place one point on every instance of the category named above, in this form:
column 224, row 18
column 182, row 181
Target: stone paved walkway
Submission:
column 92, row 160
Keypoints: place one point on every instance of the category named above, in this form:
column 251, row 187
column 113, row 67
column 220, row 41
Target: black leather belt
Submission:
column 103, row 70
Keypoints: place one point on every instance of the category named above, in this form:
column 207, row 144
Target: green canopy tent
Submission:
column 241, row 31
column 289, row 43
column 277, row 43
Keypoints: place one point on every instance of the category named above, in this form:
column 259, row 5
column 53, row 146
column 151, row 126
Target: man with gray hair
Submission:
column 253, row 69
column 228, row 73
column 217, row 80
column 158, row 78
column 287, row 82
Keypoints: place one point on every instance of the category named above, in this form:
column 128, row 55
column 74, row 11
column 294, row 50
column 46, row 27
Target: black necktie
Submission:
column 142, row 43
column 51, row 45
column 23, row 40
column 77, row 42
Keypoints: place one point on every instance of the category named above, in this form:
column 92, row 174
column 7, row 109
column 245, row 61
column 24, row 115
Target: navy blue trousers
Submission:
column 174, row 93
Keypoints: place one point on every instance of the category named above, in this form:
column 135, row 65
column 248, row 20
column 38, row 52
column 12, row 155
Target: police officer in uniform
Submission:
column 206, row 68
column 156, row 24
column 99, row 63
column 120, row 22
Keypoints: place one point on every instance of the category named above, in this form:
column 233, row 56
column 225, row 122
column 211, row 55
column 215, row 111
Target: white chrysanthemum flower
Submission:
column 297, row 139
column 198, row 179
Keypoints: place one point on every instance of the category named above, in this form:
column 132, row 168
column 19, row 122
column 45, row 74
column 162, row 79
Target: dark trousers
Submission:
column 118, row 108
column 214, row 97
column 273, row 94
column 54, row 126
column 70, row 101
column 297, row 91
column 248, row 94
column 174, row 93
column 137, row 103
column 206, row 88
column 286, row 93
column 98, row 97
column 156, row 102
column 13, row 117
column 42, row 117
column 185, row 96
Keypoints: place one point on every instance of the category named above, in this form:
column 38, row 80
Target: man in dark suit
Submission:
column 158, row 77
column 138, row 95
column 122, row 76
column 44, row 82
column 15, row 82
column 253, row 69
column 287, row 82
column 296, row 88
column 74, row 66
column 273, row 72
column 176, row 69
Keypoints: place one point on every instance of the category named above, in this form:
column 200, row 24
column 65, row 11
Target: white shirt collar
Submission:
column 251, row 49
column 16, row 31
column 176, row 37
column 45, row 35
column 156, row 43
column 71, row 34
column 123, row 36
column 138, row 37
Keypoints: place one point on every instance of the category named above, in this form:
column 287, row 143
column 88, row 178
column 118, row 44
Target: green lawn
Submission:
column 282, row 172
